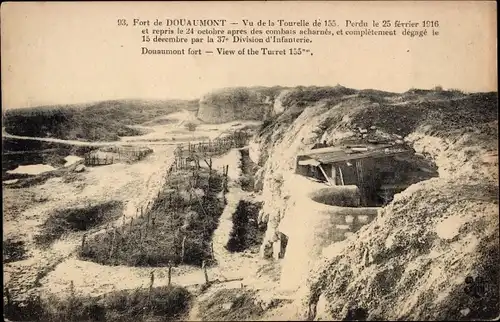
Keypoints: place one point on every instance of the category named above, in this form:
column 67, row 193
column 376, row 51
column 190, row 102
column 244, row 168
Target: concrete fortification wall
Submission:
column 313, row 222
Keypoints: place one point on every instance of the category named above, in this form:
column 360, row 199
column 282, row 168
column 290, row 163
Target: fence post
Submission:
column 204, row 268
column 183, row 248
column 72, row 296
column 209, row 174
column 112, row 245
column 169, row 273
column 151, row 283
column 83, row 241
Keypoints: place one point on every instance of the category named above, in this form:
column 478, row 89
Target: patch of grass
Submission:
column 177, row 217
column 77, row 219
column 265, row 124
column 160, row 121
column 304, row 96
column 230, row 104
column 15, row 201
column 13, row 251
column 230, row 305
column 162, row 304
column 100, row 121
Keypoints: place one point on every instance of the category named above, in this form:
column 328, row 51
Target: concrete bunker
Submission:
column 379, row 171
column 323, row 216
column 342, row 211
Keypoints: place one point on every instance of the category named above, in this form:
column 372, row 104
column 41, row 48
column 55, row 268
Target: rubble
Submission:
column 79, row 168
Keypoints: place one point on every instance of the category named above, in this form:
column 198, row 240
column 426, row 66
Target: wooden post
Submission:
column 361, row 181
column 204, row 268
column 83, row 241
column 131, row 223
column 226, row 172
column 326, row 176
column 151, row 283
column 169, row 273
column 341, row 176
column 112, row 244
column 72, row 303
column 183, row 248
column 212, row 250
column 7, row 295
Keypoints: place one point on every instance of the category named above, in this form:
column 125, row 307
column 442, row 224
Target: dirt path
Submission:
column 91, row 144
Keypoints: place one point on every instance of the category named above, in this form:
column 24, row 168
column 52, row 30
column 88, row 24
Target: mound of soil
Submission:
column 230, row 305
column 434, row 251
column 77, row 219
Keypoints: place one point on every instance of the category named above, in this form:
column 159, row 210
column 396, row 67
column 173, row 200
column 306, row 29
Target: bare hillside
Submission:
column 229, row 104
column 100, row 121
column 412, row 262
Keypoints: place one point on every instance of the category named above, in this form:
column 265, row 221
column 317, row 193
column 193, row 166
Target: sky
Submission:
column 64, row 53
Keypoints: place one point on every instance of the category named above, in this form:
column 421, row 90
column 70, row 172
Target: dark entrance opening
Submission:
column 382, row 178
column 283, row 244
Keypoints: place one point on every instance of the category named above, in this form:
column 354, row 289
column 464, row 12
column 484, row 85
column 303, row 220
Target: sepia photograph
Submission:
column 250, row 161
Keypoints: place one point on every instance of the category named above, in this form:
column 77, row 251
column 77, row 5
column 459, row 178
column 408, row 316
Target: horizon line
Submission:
column 94, row 101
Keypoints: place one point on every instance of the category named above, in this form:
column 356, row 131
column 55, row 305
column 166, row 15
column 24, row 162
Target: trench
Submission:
column 248, row 171
column 247, row 233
